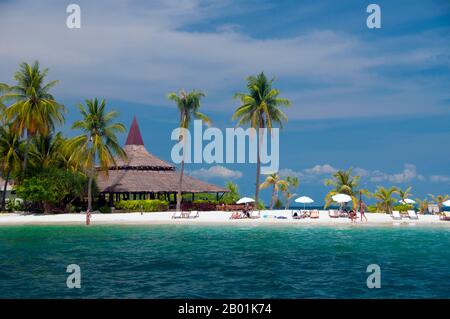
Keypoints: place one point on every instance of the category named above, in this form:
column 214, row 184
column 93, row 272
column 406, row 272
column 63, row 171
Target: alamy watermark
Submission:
column 73, row 21
column 74, row 279
column 374, row 19
column 231, row 148
column 374, row 279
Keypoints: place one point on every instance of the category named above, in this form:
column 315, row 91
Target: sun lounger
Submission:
column 314, row 214
column 238, row 215
column 343, row 213
column 177, row 215
column 333, row 213
column 412, row 214
column 396, row 215
column 254, row 214
column 193, row 214
column 445, row 216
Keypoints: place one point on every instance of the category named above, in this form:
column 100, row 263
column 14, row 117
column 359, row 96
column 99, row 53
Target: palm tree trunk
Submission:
column 4, row 190
column 258, row 164
column 25, row 155
column 91, row 178
column 272, row 202
column 180, row 185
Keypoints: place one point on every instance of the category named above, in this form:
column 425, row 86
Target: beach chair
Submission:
column 235, row 215
column 295, row 214
column 333, row 213
column 412, row 214
column 396, row 215
column 177, row 215
column 343, row 213
column 193, row 214
column 314, row 214
column 445, row 216
column 305, row 213
column 254, row 214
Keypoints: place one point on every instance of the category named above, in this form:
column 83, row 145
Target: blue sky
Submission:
column 375, row 100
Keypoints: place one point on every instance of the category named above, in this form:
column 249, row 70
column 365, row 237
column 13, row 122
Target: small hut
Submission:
column 144, row 176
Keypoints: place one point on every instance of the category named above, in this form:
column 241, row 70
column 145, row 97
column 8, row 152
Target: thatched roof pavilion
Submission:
column 144, row 175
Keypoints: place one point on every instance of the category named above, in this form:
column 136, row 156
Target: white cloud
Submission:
column 138, row 52
column 217, row 171
column 439, row 179
column 319, row 172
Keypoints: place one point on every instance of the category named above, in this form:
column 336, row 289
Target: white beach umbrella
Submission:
column 407, row 201
column 245, row 200
column 446, row 203
column 304, row 200
column 341, row 198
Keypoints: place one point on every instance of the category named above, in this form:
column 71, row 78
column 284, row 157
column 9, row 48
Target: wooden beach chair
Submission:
column 343, row 213
column 236, row 215
column 412, row 214
column 255, row 214
column 193, row 214
column 334, row 213
column 177, row 215
column 314, row 214
column 396, row 215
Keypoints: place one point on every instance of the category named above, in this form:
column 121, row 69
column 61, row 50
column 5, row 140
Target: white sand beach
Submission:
column 213, row 217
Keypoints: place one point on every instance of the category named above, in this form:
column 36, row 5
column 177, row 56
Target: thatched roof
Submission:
column 144, row 172
column 146, row 181
column 138, row 156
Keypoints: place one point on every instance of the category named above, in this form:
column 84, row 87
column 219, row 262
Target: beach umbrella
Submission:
column 341, row 198
column 446, row 203
column 407, row 201
column 245, row 200
column 304, row 200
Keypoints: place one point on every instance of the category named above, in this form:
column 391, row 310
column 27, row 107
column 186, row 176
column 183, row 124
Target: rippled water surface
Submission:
column 183, row 261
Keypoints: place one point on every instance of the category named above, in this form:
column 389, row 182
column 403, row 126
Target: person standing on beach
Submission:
column 88, row 217
column 362, row 208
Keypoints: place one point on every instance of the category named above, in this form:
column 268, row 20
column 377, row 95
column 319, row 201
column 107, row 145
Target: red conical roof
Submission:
column 134, row 135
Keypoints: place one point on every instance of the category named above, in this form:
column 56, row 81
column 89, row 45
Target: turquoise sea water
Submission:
column 184, row 261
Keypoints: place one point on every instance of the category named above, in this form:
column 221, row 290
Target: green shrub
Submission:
column 232, row 196
column 53, row 186
column 372, row 208
column 151, row 205
column 105, row 209
column 261, row 205
column 403, row 207
column 206, row 201
column 13, row 205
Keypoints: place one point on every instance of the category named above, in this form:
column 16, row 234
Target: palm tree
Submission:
column 404, row 194
column 292, row 183
column 3, row 89
column 47, row 151
column 343, row 183
column 260, row 108
column 439, row 200
column 34, row 110
column 98, row 141
column 385, row 201
column 188, row 104
column 10, row 156
column 423, row 205
column 274, row 180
